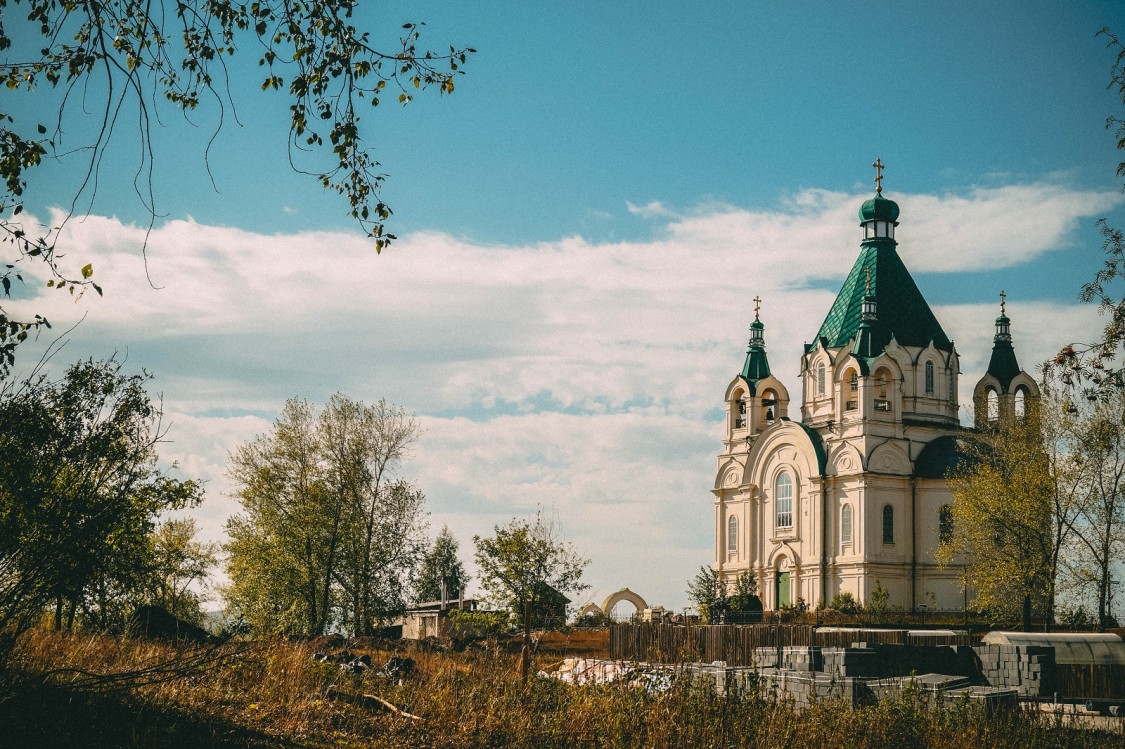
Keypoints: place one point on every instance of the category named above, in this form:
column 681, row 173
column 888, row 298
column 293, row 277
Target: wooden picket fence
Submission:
column 736, row 643
column 1104, row 681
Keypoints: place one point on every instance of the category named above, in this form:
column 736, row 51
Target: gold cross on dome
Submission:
column 879, row 167
column 757, row 306
column 1002, row 297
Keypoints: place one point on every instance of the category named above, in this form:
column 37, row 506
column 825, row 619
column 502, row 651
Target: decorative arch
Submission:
column 889, row 458
column 590, row 608
column 623, row 595
column 845, row 460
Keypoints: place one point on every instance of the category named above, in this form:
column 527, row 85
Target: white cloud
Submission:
column 578, row 376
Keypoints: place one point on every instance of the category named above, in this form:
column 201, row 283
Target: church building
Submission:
column 851, row 491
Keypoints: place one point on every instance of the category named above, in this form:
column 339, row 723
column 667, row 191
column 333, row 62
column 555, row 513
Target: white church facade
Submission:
column 850, row 490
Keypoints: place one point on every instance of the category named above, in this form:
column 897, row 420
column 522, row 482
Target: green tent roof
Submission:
column 901, row 311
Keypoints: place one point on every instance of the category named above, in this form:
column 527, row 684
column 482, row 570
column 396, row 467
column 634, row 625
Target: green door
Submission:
column 783, row 598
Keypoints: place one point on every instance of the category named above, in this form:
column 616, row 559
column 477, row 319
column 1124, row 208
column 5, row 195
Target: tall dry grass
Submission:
column 274, row 694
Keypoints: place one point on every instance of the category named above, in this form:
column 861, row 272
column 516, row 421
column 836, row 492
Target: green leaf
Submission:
column 87, row 270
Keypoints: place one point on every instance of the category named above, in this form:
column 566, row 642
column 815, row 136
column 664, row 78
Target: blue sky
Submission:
column 583, row 224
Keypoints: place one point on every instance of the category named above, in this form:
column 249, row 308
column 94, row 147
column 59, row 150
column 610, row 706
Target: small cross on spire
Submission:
column 879, row 167
column 1002, row 297
column 757, row 306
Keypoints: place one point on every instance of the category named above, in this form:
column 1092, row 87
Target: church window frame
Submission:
column 929, row 368
column 888, row 525
column 783, row 500
column 992, row 405
column 820, row 378
column 1019, row 403
column 732, row 536
column 851, row 398
column 945, row 524
column 846, row 525
column 883, row 379
column 739, row 409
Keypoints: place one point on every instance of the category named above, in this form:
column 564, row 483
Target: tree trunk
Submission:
column 58, row 612
column 1027, row 612
column 525, row 664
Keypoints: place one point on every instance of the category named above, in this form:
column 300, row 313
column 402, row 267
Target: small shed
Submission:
column 1071, row 648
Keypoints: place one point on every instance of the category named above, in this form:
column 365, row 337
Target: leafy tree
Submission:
column 128, row 60
column 178, row 562
column 441, row 573
column 363, row 447
column 709, row 594
column 326, row 536
column 744, row 601
column 521, row 564
column 1003, row 493
column 80, row 491
column 717, row 600
column 1100, row 531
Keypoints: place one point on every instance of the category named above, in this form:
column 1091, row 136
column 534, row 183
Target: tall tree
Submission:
column 279, row 556
column 709, row 594
column 386, row 545
column 327, row 535
column 519, row 566
column 80, row 490
column 1101, row 531
column 133, row 59
column 441, row 574
column 180, row 561
column 1002, row 518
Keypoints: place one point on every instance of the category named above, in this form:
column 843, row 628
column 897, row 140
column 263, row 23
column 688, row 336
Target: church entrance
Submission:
column 783, row 598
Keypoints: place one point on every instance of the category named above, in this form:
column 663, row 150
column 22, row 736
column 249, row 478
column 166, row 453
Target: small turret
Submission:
column 1003, row 391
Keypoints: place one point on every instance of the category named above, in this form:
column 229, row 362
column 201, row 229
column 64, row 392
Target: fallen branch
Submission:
column 369, row 701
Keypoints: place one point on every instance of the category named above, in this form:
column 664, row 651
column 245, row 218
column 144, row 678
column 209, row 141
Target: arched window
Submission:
column 784, row 496
column 740, row 417
column 945, row 524
column 929, row 378
column 846, row 525
column 732, row 535
column 1021, row 402
column 883, row 390
column 888, row 524
column 820, row 379
column 769, row 406
column 851, row 400
column 993, row 402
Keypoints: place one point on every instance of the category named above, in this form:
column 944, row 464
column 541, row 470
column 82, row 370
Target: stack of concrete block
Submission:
column 805, row 688
column 802, row 658
column 1027, row 668
column 765, row 658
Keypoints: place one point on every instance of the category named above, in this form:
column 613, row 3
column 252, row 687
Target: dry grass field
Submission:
column 275, row 694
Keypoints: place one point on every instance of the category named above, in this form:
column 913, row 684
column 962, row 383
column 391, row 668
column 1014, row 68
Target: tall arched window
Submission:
column 851, row 398
column 888, row 524
column 820, row 379
column 1021, row 402
column 883, row 390
column 993, row 402
column 945, row 524
column 929, row 378
column 784, row 496
column 732, row 535
column 846, row 525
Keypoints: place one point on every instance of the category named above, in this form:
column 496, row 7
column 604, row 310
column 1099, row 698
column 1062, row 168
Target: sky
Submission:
column 582, row 227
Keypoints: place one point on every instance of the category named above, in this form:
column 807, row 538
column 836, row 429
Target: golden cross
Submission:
column 1002, row 297
column 879, row 167
column 757, row 306
column 868, row 272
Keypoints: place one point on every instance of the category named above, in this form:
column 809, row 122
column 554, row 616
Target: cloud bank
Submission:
column 579, row 377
